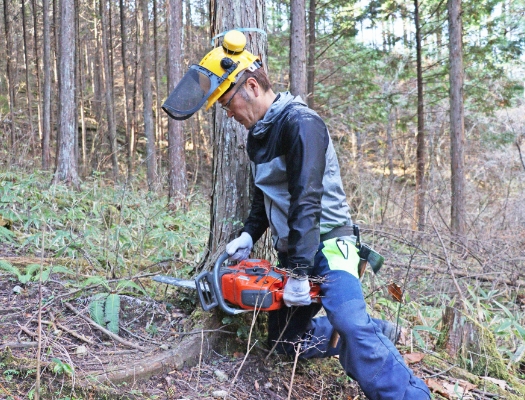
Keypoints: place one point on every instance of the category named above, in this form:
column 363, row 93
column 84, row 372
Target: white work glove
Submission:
column 239, row 249
column 297, row 292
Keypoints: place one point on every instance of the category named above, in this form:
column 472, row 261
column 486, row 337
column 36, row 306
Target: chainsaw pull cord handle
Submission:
column 216, row 282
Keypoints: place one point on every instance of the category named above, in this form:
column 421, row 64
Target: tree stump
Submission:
column 470, row 344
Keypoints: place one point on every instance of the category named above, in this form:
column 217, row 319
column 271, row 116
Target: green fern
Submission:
column 57, row 269
column 96, row 308
column 10, row 268
column 124, row 284
column 112, row 312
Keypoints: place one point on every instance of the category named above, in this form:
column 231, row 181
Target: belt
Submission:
column 338, row 231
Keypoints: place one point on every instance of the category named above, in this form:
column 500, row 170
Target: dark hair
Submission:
column 260, row 76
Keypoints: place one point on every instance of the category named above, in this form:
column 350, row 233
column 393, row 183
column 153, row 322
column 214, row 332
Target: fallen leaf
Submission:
column 256, row 384
column 412, row 358
column 499, row 382
column 456, row 391
column 466, row 385
column 436, row 387
column 395, row 291
column 238, row 354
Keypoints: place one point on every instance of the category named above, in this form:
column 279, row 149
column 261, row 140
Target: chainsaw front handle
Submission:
column 216, row 283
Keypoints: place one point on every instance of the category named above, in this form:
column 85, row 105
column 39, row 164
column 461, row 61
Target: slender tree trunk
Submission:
column 158, row 127
column 177, row 180
column 298, row 48
column 127, row 106
column 37, row 67
column 97, row 88
column 46, row 106
column 10, row 79
column 108, row 77
column 419, row 213
column 28, row 83
column 55, row 115
column 457, row 120
column 311, row 54
column 231, row 171
column 82, row 107
column 151, row 159
column 66, row 164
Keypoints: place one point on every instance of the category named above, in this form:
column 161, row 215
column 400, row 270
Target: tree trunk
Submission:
column 28, row 83
column 46, row 106
column 108, row 78
column 231, row 171
column 37, row 67
column 457, row 121
column 10, row 79
column 177, row 180
column 66, row 163
column 311, row 54
column 298, row 48
column 151, row 159
column 156, row 75
column 97, row 90
column 419, row 209
column 127, row 105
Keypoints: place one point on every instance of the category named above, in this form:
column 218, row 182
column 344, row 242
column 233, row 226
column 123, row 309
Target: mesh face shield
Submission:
column 191, row 93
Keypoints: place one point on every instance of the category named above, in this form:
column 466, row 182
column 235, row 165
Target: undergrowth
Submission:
column 115, row 230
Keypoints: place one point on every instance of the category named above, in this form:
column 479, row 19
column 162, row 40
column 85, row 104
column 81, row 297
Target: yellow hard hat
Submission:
column 217, row 72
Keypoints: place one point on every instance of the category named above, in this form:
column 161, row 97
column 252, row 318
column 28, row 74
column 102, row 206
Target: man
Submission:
column 299, row 196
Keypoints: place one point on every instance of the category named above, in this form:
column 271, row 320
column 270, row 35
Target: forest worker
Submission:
column 299, row 195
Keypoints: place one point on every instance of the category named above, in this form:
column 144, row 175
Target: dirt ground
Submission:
column 76, row 356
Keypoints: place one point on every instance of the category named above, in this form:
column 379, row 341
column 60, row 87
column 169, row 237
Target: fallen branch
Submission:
column 70, row 331
column 104, row 330
column 18, row 345
column 481, row 277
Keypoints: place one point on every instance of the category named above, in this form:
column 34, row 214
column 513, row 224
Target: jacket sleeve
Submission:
column 305, row 140
column 257, row 222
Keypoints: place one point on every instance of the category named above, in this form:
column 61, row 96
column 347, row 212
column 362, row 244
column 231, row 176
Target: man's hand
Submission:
column 297, row 292
column 239, row 249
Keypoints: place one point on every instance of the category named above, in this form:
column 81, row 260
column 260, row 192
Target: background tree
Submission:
column 298, row 48
column 66, row 170
column 46, row 97
column 177, row 181
column 457, row 122
column 151, row 154
column 419, row 210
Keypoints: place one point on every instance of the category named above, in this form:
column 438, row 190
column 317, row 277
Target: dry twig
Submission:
column 104, row 330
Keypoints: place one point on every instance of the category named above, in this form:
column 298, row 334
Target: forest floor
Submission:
column 79, row 361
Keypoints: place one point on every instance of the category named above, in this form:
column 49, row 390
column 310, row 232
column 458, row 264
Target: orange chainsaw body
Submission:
column 255, row 284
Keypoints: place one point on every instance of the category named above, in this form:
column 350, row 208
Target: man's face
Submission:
column 238, row 104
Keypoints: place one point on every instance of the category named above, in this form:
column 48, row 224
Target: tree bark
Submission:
column 108, row 78
column 37, row 67
column 151, row 159
column 298, row 48
column 311, row 54
column 46, row 97
column 123, row 53
column 457, row 121
column 177, row 180
column 28, row 83
column 231, row 170
column 66, row 170
column 419, row 209
column 10, row 79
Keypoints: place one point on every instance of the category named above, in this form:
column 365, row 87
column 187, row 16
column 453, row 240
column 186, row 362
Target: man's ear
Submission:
column 253, row 85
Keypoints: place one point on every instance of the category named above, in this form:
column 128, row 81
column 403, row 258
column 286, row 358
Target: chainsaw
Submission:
column 252, row 284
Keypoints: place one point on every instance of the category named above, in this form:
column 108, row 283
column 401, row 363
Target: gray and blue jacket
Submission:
column 298, row 190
